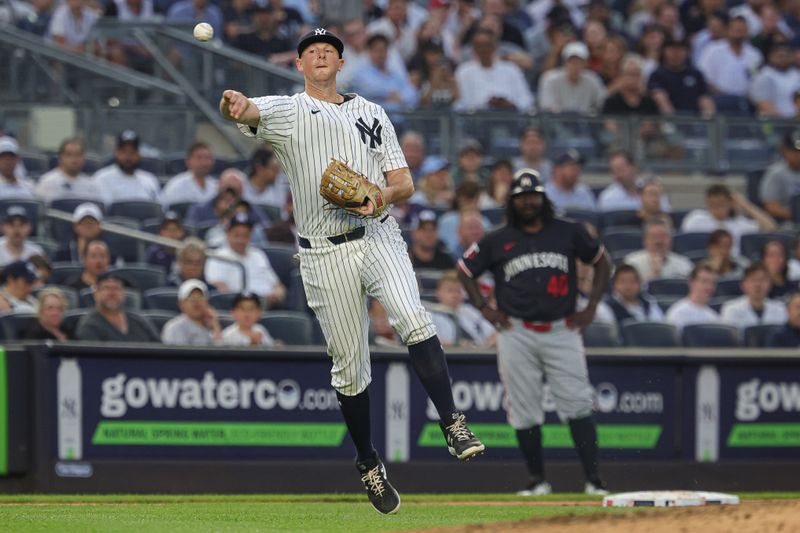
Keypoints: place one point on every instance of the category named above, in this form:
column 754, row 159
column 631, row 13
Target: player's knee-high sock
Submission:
column 584, row 434
column 355, row 410
column 530, row 443
column 427, row 358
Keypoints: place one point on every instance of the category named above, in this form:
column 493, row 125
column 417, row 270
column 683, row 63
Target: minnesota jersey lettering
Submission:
column 535, row 260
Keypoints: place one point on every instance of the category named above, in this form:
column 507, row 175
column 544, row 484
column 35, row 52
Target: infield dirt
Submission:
column 748, row 517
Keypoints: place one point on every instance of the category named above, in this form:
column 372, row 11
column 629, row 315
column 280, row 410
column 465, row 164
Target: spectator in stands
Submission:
column 265, row 40
column 435, row 187
column 37, row 19
column 773, row 30
column 720, row 257
column 67, row 179
column 14, row 244
column 629, row 301
column 694, row 309
column 667, row 17
column 774, row 258
column 253, row 264
column 467, row 199
column 238, row 17
column 216, row 236
column 547, row 40
column 383, row 334
column 194, row 185
column 678, row 87
column 246, row 331
column 123, row 179
column 195, row 11
column 653, row 200
column 722, row 211
column 12, row 183
column 623, row 194
column 96, row 260
column 18, row 279
column 49, row 316
column 614, row 50
column 229, row 192
column 377, row 82
column 501, row 174
column 440, row 88
column 650, row 47
column 87, row 220
column 565, row 189
column 716, row 29
column 656, row 259
column 488, row 82
column 109, row 321
column 533, row 154
column 643, row 14
column 781, row 180
column 129, row 51
column 585, row 275
column 469, row 166
column 265, row 183
column 190, row 263
column 789, row 335
column 727, row 64
column 477, row 330
column 354, row 36
column 399, row 24
column 629, row 96
column 794, row 262
column 773, row 88
column 753, row 307
column 471, row 229
column 163, row 256
column 198, row 324
column 426, row 250
column 71, row 24
column 572, row 88
column 413, row 146
column 292, row 24
column 44, row 269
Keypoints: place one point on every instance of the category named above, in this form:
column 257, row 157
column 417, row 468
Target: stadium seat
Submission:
column 428, row 279
column 291, row 327
column 151, row 225
column 129, row 249
column 158, row 318
column 71, row 318
column 225, row 320
column 50, row 247
column 163, row 298
column 649, row 334
column 730, row 287
column 317, row 336
column 222, row 301
column 180, row 208
column 133, row 299
column 142, row 276
column 600, row 335
column 710, row 336
column 623, row 218
column 582, row 215
column 668, row 286
column 665, row 301
column 174, row 164
column 14, row 324
column 35, row 164
column 622, row 240
column 756, row 336
column 281, row 257
column 136, row 209
column 273, row 212
column 495, row 215
column 296, row 294
column 683, row 243
column 34, row 209
column 62, row 271
column 154, row 165
column 752, row 243
column 677, row 216
column 69, row 204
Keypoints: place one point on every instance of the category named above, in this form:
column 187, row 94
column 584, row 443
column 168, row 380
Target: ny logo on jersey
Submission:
column 320, row 31
column 374, row 132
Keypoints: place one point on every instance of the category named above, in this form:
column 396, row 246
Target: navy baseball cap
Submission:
column 20, row 269
column 128, row 137
column 16, row 212
column 791, row 140
column 570, row 156
column 241, row 219
column 245, row 296
column 526, row 180
column 110, row 274
column 320, row 35
column 425, row 216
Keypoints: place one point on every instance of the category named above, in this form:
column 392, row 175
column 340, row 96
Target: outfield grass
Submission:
column 346, row 513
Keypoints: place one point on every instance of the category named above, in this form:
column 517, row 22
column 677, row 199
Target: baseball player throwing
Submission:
column 345, row 168
column 532, row 260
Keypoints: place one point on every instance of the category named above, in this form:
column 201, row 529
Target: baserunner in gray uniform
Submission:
column 532, row 260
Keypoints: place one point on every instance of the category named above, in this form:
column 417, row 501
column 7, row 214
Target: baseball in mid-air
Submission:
column 203, row 32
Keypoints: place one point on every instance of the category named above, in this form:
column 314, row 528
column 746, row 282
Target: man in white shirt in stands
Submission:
column 694, row 308
column 226, row 276
column 12, row 184
column 198, row 324
column 754, row 308
column 67, row 180
column 194, row 185
column 656, row 259
column 729, row 64
column 450, row 296
column 572, row 88
column 564, row 189
column 266, row 184
column 773, row 88
column 14, row 245
column 123, row 180
column 623, row 194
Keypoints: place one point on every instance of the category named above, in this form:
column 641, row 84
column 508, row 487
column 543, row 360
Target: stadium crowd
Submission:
column 232, row 280
column 644, row 57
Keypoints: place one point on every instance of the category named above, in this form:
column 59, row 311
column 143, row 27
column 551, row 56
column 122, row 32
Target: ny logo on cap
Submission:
column 319, row 31
column 526, row 182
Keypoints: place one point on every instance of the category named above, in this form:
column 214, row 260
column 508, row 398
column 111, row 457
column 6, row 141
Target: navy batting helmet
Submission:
column 526, row 180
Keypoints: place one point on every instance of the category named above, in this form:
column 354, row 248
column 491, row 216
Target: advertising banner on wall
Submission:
column 113, row 407
column 635, row 412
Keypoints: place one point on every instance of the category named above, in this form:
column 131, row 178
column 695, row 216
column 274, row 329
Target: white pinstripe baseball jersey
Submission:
column 306, row 133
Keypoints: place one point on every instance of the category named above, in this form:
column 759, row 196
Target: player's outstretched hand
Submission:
column 233, row 104
column 581, row 319
column 498, row 318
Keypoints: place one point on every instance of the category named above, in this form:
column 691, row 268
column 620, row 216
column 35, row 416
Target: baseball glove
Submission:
column 344, row 187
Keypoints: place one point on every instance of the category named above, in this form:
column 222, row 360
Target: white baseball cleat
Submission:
column 595, row 489
column 540, row 488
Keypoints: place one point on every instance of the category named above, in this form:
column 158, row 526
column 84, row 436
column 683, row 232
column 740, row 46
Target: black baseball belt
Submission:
column 353, row 235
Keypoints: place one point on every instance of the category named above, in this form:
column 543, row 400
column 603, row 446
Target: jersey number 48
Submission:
column 558, row 285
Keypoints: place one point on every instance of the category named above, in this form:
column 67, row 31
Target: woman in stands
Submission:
column 720, row 255
column 52, row 305
column 774, row 257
